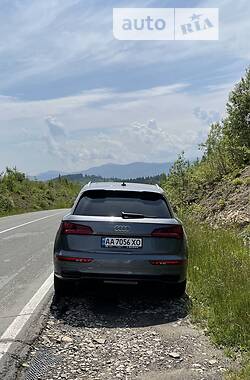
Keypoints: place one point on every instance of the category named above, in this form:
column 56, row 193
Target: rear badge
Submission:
column 121, row 228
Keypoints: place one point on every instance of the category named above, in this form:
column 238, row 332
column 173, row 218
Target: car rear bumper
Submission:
column 122, row 267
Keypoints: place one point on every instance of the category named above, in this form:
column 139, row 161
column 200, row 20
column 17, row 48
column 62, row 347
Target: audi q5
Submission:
column 121, row 233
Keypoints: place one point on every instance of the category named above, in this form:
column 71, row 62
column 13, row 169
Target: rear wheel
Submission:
column 178, row 290
column 60, row 287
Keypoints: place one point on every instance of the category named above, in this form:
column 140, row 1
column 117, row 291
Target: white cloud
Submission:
column 11, row 109
column 106, row 126
column 55, row 127
column 62, row 38
column 207, row 117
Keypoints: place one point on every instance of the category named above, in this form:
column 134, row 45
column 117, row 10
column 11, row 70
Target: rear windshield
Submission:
column 114, row 203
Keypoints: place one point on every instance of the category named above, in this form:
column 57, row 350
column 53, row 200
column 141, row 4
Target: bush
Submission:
column 6, row 203
column 237, row 182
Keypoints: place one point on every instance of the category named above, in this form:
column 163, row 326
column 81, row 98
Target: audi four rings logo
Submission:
column 121, row 228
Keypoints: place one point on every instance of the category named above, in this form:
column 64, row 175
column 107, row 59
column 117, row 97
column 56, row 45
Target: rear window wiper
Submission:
column 133, row 215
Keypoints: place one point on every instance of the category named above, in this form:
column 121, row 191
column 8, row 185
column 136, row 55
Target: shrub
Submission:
column 237, row 182
column 6, row 203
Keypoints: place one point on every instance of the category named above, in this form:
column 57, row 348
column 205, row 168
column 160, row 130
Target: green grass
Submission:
column 243, row 374
column 219, row 283
column 219, row 286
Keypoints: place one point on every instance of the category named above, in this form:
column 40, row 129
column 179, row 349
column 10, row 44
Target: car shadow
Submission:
column 114, row 306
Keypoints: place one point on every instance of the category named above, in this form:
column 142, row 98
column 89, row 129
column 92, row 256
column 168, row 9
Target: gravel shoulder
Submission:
column 111, row 332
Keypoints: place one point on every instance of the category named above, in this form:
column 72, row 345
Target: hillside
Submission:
column 216, row 187
column 19, row 194
column 226, row 203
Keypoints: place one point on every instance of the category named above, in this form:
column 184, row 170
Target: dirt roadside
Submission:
column 122, row 333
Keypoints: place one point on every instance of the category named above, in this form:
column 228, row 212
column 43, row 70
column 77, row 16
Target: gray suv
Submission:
column 121, row 233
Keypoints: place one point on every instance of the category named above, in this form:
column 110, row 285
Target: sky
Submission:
column 72, row 96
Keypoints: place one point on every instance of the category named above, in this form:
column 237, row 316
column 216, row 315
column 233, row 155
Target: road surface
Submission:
column 26, row 243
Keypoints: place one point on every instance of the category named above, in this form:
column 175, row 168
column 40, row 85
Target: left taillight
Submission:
column 69, row 228
column 85, row 260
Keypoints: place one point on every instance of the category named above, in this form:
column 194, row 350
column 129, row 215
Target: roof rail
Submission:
column 89, row 183
column 158, row 187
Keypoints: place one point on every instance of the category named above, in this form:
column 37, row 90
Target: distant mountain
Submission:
column 48, row 175
column 93, row 178
column 132, row 170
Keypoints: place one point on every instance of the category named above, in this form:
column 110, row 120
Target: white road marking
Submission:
column 32, row 221
column 16, row 326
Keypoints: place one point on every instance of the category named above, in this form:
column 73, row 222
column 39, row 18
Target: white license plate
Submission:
column 121, row 242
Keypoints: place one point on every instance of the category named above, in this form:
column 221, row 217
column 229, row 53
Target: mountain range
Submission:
column 132, row 170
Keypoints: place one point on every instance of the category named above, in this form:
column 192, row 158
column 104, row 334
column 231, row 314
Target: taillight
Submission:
column 69, row 228
column 171, row 231
column 85, row 260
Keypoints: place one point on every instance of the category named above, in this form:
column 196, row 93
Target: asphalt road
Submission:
column 26, row 243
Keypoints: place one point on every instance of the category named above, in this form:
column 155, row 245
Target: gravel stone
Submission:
column 111, row 333
column 174, row 355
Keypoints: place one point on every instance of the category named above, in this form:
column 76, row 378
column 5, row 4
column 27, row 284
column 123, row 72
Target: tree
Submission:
column 236, row 126
column 177, row 183
column 214, row 149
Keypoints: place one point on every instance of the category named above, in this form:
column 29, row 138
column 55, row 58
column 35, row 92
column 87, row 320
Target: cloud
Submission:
column 19, row 109
column 103, row 125
column 105, row 97
column 155, row 91
column 207, row 117
column 60, row 40
column 55, row 128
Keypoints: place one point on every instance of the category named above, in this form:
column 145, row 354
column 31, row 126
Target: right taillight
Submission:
column 171, row 231
column 69, row 228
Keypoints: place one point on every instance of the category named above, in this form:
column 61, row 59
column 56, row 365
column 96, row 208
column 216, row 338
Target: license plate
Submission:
column 121, row 242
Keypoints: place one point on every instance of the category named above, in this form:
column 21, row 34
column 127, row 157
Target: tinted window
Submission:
column 113, row 203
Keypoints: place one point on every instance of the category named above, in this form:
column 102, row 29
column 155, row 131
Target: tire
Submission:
column 179, row 289
column 60, row 287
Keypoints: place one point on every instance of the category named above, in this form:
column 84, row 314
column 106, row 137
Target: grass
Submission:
column 244, row 374
column 219, row 286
